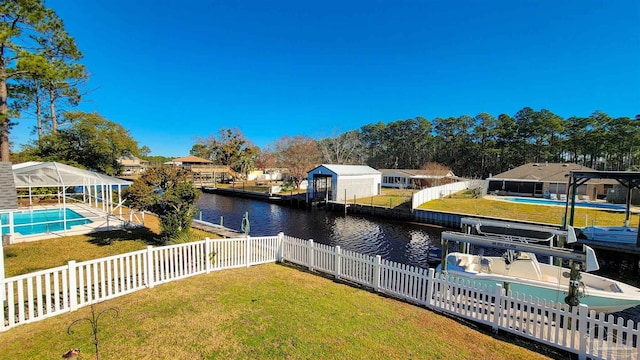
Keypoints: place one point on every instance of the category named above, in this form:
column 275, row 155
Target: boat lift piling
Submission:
column 583, row 260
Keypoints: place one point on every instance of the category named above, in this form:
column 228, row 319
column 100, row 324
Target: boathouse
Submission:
column 330, row 182
column 549, row 180
column 416, row 179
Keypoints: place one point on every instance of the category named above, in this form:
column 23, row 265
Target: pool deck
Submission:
column 100, row 221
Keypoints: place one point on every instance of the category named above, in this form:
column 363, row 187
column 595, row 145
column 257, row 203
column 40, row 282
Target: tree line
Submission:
column 484, row 144
column 475, row 147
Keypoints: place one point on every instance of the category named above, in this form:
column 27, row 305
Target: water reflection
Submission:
column 396, row 241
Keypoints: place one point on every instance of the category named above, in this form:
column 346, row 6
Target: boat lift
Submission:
column 521, row 232
column 584, row 260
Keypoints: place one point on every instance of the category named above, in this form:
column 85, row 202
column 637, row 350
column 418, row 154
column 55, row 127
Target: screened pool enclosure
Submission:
column 97, row 198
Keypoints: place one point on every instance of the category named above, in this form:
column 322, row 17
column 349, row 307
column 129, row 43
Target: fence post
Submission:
column 310, row 255
column 431, row 285
column 246, row 250
column 583, row 314
column 73, row 286
column 376, row 273
column 497, row 308
column 149, row 266
column 208, row 255
column 280, row 245
column 337, row 262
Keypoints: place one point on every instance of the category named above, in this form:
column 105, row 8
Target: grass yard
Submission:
column 28, row 257
column 389, row 198
column 525, row 212
column 263, row 312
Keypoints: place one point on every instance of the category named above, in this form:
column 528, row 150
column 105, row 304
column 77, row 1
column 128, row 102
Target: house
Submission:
column 545, row 180
column 132, row 166
column 415, row 179
column 204, row 170
column 8, row 201
column 330, row 182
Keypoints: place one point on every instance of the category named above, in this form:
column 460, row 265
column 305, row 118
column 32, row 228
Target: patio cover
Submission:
column 52, row 174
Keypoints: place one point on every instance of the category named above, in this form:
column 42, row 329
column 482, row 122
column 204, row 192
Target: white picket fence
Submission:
column 33, row 297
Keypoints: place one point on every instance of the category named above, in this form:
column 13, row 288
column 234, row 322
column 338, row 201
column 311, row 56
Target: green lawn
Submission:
column 28, row 257
column 263, row 312
column 525, row 212
column 389, row 198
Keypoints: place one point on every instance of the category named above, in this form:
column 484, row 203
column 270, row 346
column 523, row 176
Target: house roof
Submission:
column 8, row 197
column 51, row 174
column 433, row 173
column 192, row 159
column 544, row 172
column 349, row 169
column 132, row 158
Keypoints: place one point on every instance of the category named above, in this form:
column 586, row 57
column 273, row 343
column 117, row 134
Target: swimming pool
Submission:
column 42, row 221
column 592, row 205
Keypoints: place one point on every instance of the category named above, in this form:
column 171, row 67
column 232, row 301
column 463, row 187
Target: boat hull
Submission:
column 611, row 234
column 526, row 277
column 597, row 302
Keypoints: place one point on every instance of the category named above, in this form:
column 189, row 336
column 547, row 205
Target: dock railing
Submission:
column 36, row 296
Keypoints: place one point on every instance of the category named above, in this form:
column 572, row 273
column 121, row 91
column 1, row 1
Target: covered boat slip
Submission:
column 628, row 179
column 95, row 196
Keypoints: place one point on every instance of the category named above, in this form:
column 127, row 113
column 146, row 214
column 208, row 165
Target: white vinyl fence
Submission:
column 437, row 192
column 32, row 297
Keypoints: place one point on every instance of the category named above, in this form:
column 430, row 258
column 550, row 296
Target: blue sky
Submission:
column 173, row 71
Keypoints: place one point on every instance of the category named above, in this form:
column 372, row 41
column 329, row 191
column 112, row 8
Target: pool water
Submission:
column 42, row 221
column 593, row 205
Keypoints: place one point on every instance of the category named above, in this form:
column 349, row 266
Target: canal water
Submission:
column 393, row 240
column 398, row 241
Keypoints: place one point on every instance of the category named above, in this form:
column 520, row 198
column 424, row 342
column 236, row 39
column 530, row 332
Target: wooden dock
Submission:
column 611, row 246
column 215, row 229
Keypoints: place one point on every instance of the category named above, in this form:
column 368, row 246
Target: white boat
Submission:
column 525, row 275
column 610, row 234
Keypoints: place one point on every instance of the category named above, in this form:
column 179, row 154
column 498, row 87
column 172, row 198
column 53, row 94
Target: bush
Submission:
column 166, row 192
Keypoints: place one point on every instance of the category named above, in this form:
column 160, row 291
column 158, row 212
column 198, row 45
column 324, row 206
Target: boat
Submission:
column 526, row 276
column 610, row 234
column 521, row 273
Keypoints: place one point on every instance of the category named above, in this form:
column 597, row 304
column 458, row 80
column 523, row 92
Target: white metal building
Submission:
column 329, row 182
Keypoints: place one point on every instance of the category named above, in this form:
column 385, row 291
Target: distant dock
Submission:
column 298, row 200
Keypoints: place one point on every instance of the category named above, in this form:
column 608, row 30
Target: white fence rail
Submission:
column 437, row 192
column 32, row 297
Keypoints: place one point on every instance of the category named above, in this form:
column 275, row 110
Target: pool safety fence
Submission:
column 39, row 295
